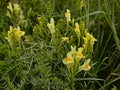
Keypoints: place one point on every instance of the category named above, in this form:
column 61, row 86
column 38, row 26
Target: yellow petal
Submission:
column 79, row 56
column 85, row 66
column 65, row 39
column 77, row 27
column 73, row 49
column 68, row 60
column 10, row 7
column 51, row 26
column 21, row 33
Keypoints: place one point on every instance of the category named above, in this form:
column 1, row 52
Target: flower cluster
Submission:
column 12, row 9
column 14, row 35
column 78, row 59
column 15, row 13
column 74, row 57
column 89, row 41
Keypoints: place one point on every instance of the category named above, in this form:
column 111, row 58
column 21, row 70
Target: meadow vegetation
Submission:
column 59, row 45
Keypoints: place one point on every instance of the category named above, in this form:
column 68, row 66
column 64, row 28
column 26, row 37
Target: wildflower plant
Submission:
column 89, row 41
column 69, row 20
column 51, row 27
column 73, row 35
column 78, row 59
column 15, row 14
column 68, row 15
column 14, row 36
column 77, row 31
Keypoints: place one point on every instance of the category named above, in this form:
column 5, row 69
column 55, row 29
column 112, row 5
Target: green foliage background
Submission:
column 37, row 65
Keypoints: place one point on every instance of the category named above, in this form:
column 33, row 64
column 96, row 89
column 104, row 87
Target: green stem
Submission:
column 71, row 76
column 67, row 25
column 52, row 39
column 78, row 41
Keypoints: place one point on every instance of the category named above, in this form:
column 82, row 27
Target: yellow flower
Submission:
column 16, row 7
column 69, row 59
column 73, row 50
column 85, row 66
column 68, row 15
column 79, row 54
column 65, row 39
column 51, row 26
column 10, row 7
column 10, row 35
column 93, row 39
column 77, row 30
column 90, row 37
column 10, row 30
column 89, row 41
column 19, row 32
column 14, row 35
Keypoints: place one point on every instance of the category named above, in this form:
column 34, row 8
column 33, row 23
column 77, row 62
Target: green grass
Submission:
column 34, row 61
